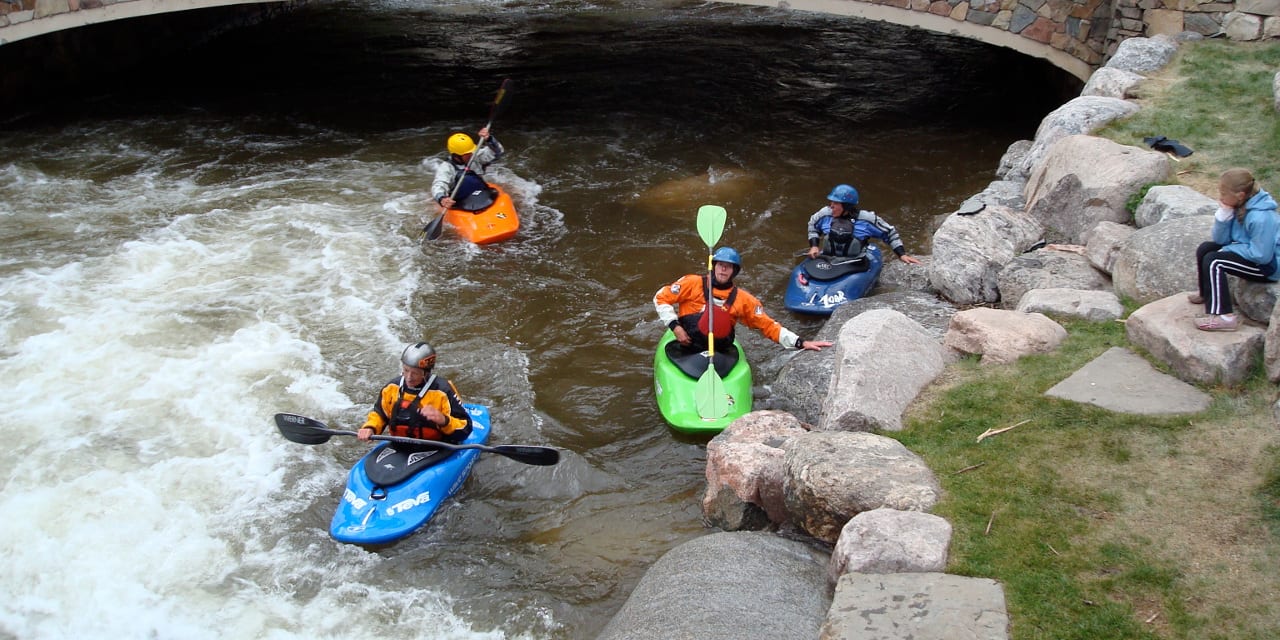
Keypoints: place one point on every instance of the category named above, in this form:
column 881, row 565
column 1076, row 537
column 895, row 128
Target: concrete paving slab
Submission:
column 1121, row 381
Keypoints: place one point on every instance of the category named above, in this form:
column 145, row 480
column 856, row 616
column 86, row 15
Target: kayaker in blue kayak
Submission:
column 474, row 193
column 682, row 307
column 847, row 228
column 418, row 404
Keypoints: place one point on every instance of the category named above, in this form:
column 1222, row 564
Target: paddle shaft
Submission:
column 304, row 430
column 709, row 392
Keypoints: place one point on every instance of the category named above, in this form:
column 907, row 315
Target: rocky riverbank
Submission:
column 1052, row 237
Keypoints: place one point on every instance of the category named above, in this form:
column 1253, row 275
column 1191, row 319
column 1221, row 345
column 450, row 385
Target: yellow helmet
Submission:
column 460, row 144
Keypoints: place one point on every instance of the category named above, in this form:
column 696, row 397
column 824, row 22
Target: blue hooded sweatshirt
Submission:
column 1255, row 238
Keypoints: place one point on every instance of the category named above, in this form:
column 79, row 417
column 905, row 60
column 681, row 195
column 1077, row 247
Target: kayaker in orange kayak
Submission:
column 474, row 193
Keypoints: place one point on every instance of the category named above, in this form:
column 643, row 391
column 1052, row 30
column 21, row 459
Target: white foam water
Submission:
column 143, row 353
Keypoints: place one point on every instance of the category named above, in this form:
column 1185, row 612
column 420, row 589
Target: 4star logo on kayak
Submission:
column 829, row 300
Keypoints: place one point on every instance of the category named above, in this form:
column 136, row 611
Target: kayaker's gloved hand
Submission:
column 682, row 336
column 364, row 433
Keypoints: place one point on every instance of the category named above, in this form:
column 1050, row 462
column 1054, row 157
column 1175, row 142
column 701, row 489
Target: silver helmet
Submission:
column 419, row 355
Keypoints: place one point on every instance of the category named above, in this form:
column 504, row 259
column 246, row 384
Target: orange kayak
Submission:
column 494, row 223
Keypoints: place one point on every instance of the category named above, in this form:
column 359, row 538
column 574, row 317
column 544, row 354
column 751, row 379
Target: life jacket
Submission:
column 405, row 419
column 848, row 236
column 723, row 320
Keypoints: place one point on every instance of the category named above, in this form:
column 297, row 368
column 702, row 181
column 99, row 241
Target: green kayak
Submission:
column 675, row 377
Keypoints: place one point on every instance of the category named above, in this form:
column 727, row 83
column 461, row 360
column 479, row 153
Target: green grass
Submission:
column 1215, row 98
column 1103, row 525
column 1032, row 507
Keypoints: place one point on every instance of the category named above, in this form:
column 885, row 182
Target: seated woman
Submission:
column 1245, row 233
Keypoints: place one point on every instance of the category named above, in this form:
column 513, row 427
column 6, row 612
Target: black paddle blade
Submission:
column 434, row 228
column 301, row 429
column 541, row 456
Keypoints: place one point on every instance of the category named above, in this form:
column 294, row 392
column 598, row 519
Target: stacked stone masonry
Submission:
column 1088, row 30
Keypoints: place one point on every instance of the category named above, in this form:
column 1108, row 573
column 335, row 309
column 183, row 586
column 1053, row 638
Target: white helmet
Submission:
column 419, row 355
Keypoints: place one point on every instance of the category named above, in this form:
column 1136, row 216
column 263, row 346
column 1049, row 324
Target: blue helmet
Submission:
column 727, row 254
column 844, row 194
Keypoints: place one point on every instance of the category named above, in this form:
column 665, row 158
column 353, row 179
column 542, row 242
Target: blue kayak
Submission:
column 396, row 488
column 819, row 285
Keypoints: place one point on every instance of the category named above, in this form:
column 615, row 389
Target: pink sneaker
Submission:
column 1218, row 323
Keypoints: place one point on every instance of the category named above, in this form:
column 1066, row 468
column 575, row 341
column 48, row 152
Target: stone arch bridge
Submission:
column 1074, row 35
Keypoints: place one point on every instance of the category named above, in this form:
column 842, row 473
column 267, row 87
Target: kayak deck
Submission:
column 494, row 223
column 819, row 285
column 676, row 390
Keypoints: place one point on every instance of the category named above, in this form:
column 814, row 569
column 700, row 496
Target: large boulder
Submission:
column 1166, row 329
column 1000, row 336
column 970, row 250
column 1048, row 269
column 728, row 586
column 744, row 472
column 869, row 388
column 1085, row 180
column 1158, row 261
column 833, row 476
column 1081, row 115
column 802, row 383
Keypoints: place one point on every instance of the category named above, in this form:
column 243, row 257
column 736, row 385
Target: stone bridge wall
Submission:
column 1076, row 35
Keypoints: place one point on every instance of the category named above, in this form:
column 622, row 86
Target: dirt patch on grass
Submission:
column 1191, row 499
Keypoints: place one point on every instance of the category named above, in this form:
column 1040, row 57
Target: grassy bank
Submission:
column 1101, row 525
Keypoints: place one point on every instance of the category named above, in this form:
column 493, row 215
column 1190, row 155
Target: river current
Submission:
column 232, row 232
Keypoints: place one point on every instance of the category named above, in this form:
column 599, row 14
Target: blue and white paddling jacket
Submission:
column 1255, row 235
column 865, row 225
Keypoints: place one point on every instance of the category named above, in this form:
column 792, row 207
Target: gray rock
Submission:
column 1160, row 260
column 833, row 476
column 1143, row 55
column 869, row 389
column 1085, row 180
column 1119, row 380
column 1094, row 306
column 802, row 383
column 891, row 541
column 969, row 252
column 1166, row 202
column 1081, row 115
column 728, row 586
column 1103, row 242
column 1048, row 269
column 1256, row 300
column 919, row 606
column 1111, row 83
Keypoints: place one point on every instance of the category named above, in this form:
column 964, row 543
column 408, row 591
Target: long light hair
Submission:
column 1239, row 181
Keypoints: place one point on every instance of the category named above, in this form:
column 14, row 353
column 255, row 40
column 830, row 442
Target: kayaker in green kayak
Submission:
column 682, row 307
